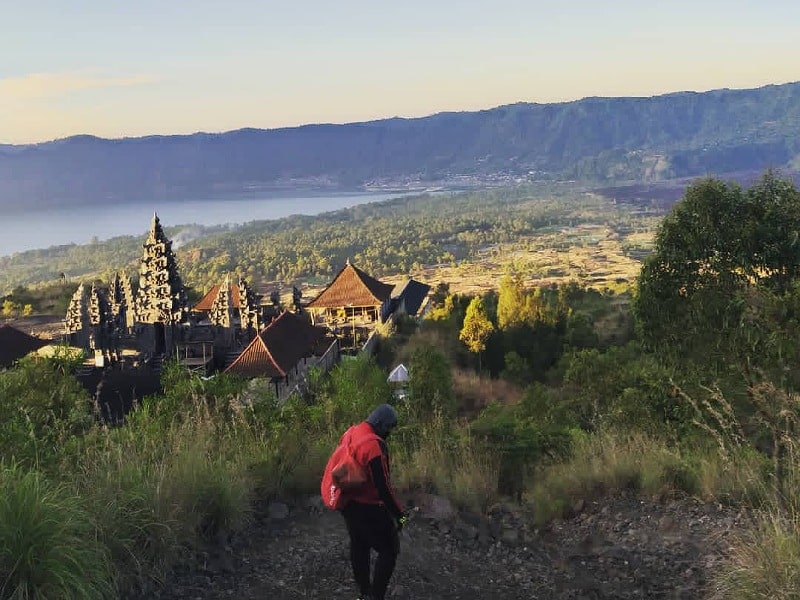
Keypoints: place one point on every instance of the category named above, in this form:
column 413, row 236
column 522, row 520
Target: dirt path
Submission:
column 622, row 548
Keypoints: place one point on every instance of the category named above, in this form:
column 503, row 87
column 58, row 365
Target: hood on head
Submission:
column 383, row 419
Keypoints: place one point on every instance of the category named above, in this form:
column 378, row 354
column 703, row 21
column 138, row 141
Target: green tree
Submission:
column 512, row 306
column 718, row 256
column 477, row 328
column 430, row 386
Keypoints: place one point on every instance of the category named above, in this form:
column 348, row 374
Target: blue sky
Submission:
column 125, row 68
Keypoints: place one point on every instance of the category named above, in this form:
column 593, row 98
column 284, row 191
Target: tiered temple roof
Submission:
column 99, row 309
column 248, row 305
column 222, row 308
column 207, row 301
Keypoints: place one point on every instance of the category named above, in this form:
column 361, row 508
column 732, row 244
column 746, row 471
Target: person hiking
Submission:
column 372, row 513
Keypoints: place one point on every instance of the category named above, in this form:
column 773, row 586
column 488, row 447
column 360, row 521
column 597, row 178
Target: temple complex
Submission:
column 229, row 329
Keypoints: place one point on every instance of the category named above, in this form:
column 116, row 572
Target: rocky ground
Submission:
column 622, row 547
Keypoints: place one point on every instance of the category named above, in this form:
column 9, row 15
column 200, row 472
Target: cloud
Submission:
column 54, row 85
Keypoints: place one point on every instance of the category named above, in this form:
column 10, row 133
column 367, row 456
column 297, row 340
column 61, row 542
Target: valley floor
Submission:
column 623, row 547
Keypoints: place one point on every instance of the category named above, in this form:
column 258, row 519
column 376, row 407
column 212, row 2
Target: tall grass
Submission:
column 440, row 458
column 608, row 463
column 48, row 542
column 764, row 561
column 157, row 491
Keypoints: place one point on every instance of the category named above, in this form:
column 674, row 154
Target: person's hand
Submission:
column 401, row 521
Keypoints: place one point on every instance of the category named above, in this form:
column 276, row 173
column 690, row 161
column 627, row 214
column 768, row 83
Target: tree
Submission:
column 430, row 386
column 477, row 328
column 511, row 302
column 9, row 308
column 719, row 258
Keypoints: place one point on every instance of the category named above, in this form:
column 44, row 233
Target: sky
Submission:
column 117, row 68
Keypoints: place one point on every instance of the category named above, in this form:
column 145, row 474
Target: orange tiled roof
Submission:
column 352, row 287
column 278, row 347
column 14, row 344
column 207, row 300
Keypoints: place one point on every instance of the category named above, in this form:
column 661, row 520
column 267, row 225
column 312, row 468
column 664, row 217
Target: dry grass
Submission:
column 474, row 392
column 593, row 255
column 764, row 562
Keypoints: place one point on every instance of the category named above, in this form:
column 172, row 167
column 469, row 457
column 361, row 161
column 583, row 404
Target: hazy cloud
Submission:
column 53, row 85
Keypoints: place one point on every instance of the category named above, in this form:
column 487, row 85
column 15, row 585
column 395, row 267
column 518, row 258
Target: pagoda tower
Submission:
column 77, row 319
column 161, row 299
column 99, row 319
column 248, row 309
column 121, row 299
column 221, row 313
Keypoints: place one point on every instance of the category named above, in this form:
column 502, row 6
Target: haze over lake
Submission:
column 80, row 224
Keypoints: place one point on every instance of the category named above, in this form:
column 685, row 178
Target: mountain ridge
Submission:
column 603, row 139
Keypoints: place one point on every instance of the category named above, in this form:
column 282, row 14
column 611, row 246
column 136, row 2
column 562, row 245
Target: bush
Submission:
column 520, row 443
column 42, row 409
column 430, row 388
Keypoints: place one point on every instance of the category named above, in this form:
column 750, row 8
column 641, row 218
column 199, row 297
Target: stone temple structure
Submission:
column 121, row 299
column 77, row 319
column 161, row 304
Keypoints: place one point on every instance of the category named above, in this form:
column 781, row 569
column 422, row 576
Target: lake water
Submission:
column 79, row 224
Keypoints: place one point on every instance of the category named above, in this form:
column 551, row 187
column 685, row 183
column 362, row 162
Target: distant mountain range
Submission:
column 597, row 139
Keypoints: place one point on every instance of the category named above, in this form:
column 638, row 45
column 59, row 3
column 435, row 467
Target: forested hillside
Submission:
column 604, row 139
column 393, row 238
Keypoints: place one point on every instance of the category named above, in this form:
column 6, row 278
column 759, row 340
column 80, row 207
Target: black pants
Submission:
column 371, row 527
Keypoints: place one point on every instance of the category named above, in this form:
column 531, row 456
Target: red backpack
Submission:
column 343, row 472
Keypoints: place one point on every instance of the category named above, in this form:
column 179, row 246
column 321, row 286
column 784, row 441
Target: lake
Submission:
column 79, row 224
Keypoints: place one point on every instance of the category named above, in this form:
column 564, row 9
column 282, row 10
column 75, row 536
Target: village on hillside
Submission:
column 128, row 333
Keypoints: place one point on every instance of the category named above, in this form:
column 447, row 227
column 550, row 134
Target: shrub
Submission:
column 430, row 388
column 41, row 410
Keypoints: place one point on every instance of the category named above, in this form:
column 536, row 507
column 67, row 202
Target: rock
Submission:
column 509, row 536
column 278, row 511
column 578, row 506
column 314, row 504
column 466, row 532
column 436, row 508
